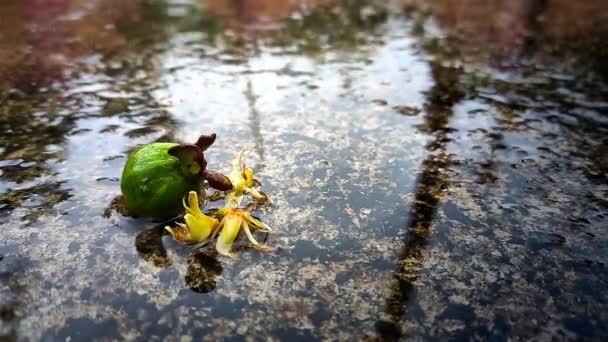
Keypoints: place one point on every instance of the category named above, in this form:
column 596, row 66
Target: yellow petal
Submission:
column 247, row 174
column 254, row 242
column 237, row 159
column 233, row 199
column 200, row 225
column 170, row 230
column 236, row 178
column 232, row 225
column 223, row 211
column 192, row 205
column 258, row 224
column 249, row 235
column 180, row 233
column 217, row 229
column 257, row 195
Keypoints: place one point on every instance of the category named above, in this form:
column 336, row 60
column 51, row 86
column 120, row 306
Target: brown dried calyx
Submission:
column 205, row 140
column 217, row 180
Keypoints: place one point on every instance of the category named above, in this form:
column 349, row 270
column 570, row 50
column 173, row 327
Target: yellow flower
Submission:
column 233, row 220
column 242, row 182
column 198, row 226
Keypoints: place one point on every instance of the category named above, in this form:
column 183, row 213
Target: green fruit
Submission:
column 157, row 176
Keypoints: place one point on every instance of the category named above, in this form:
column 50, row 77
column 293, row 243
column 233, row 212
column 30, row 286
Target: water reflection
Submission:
column 254, row 123
column 42, row 38
column 149, row 245
column 498, row 33
column 13, row 293
column 308, row 27
column 203, row 264
column 431, row 187
column 253, row 14
column 203, row 269
column 433, row 181
column 59, row 90
column 296, row 81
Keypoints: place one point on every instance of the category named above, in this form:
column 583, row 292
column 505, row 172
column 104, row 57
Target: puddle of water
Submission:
column 428, row 179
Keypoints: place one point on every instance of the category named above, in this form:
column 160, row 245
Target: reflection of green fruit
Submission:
column 157, row 176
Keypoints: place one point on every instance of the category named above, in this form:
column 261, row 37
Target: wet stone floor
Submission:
column 437, row 170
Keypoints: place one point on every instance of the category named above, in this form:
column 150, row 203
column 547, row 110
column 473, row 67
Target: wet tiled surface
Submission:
column 435, row 171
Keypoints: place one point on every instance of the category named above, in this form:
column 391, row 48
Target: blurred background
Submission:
column 437, row 169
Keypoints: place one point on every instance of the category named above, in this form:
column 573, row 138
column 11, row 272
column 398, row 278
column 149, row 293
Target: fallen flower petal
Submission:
column 198, row 226
column 233, row 220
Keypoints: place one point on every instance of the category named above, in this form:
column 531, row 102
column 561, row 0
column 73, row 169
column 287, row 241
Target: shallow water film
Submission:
column 437, row 170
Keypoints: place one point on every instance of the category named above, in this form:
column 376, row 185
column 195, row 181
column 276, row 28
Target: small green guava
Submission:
column 157, row 177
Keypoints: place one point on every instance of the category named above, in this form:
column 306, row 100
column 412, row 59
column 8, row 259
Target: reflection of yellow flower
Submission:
column 242, row 182
column 198, row 226
column 235, row 219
